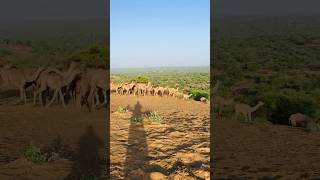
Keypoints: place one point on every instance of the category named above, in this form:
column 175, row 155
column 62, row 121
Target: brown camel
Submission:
column 246, row 110
column 20, row 79
column 216, row 87
column 220, row 103
column 51, row 79
column 99, row 79
column 299, row 119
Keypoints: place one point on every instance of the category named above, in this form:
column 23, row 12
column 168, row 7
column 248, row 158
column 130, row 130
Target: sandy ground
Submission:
column 177, row 148
column 264, row 151
column 81, row 136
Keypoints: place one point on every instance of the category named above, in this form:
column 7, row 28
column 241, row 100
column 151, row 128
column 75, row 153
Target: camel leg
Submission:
column 53, row 98
column 62, row 99
column 220, row 112
column 34, row 98
column 250, row 118
column 21, row 94
column 35, row 94
column 97, row 103
column 78, row 100
column 236, row 115
column 24, row 96
column 105, row 98
column 75, row 97
column 91, row 99
column 40, row 99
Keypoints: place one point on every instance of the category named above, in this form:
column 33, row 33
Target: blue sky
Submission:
column 153, row 33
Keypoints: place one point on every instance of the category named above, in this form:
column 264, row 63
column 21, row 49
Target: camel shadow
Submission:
column 137, row 148
column 88, row 164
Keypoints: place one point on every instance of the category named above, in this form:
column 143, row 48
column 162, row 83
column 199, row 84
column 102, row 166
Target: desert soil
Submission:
column 177, row 148
column 264, row 151
column 81, row 135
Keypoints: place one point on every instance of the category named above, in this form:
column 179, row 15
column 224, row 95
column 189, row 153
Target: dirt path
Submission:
column 79, row 132
column 264, row 151
column 177, row 148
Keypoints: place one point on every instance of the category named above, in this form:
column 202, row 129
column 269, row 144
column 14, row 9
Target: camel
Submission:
column 127, row 88
column 65, row 75
column 139, row 89
column 114, row 87
column 159, row 90
column 83, row 89
column 173, row 91
column 20, row 78
column 99, row 79
column 186, row 97
column 216, row 87
column 88, row 86
column 299, row 119
column 220, row 103
column 51, row 79
column 246, row 110
column 178, row 95
column 203, row 99
column 150, row 90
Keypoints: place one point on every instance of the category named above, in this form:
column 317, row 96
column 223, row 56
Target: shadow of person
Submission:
column 137, row 148
column 88, row 163
column 137, row 113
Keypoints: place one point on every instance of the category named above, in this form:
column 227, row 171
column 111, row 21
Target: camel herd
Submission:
column 81, row 86
column 141, row 89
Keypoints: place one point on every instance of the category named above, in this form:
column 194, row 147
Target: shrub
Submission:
column 121, row 109
column 141, row 79
column 154, row 117
column 136, row 119
column 33, row 153
column 281, row 105
column 94, row 55
column 198, row 94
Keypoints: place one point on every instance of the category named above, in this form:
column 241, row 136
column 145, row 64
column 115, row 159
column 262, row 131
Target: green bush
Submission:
column 33, row 153
column 141, row 79
column 136, row 119
column 121, row 109
column 154, row 117
column 198, row 94
column 281, row 105
column 94, row 55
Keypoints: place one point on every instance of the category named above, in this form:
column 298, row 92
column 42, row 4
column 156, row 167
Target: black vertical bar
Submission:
column 107, row 154
column 211, row 93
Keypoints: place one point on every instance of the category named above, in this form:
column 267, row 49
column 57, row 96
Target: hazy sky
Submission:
column 52, row 9
column 266, row 7
column 149, row 33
